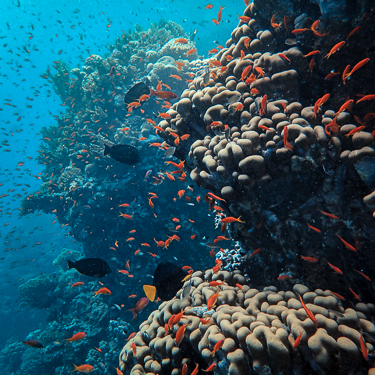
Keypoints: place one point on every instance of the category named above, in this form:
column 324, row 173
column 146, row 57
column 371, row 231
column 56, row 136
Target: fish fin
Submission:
column 71, row 264
column 134, row 312
column 107, row 150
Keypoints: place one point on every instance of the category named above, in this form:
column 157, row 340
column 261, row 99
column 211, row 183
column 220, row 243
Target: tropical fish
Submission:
column 123, row 153
column 102, row 291
column 139, row 306
column 33, row 343
column 83, row 368
column 150, row 292
column 94, row 267
column 167, row 280
column 78, row 336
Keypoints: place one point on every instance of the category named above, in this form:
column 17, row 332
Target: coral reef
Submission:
column 259, row 329
column 298, row 172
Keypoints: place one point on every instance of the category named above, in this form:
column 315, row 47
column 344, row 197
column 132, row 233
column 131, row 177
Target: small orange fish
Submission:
column 347, row 245
column 298, row 340
column 363, row 275
column 191, row 51
column 83, row 368
column 356, row 296
column 181, row 40
column 220, row 13
column 212, row 300
column 210, row 368
column 209, row 6
column 231, row 219
column 309, row 259
column 180, row 334
column 336, row 269
column 308, row 312
column 363, row 347
column 78, row 336
column 217, row 347
column 313, row 228
column 79, row 283
column 334, row 49
column 102, row 291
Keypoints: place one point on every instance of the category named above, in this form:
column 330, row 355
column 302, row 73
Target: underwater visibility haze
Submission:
column 187, row 187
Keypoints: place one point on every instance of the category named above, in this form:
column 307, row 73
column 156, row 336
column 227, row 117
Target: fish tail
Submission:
column 75, row 368
column 107, row 150
column 70, row 264
column 152, row 92
column 134, row 312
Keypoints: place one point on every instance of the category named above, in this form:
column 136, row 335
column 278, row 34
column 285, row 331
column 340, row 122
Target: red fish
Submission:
column 298, row 339
column 78, row 336
column 230, row 219
column 313, row 228
column 308, row 312
column 102, row 291
column 164, row 94
column 220, row 14
column 363, row 347
column 83, row 368
column 336, row 269
column 217, row 347
column 334, row 49
column 309, row 259
column 347, row 245
column 180, row 334
column 139, row 306
column 287, row 145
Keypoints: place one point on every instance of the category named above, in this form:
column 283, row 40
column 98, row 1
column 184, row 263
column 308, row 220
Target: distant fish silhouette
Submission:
column 167, row 280
column 123, row 153
column 94, row 267
column 136, row 92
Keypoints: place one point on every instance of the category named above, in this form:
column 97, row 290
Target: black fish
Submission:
column 167, row 280
column 123, row 153
column 94, row 267
column 136, row 92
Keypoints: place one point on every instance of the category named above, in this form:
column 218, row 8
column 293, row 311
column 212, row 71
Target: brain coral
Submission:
column 259, row 329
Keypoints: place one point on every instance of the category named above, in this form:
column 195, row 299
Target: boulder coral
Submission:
column 265, row 331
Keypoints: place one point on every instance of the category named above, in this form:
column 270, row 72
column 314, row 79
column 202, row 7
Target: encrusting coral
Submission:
column 261, row 330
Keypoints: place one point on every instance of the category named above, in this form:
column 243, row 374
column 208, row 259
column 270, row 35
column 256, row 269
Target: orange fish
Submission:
column 334, row 49
column 216, row 197
column 363, row 275
column 180, row 334
column 356, row 296
column 175, row 76
column 79, row 283
column 191, row 51
column 210, row 368
column 83, row 368
column 212, row 300
column 347, row 245
column 220, row 13
column 336, row 269
column 308, row 312
column 309, row 259
column 287, row 145
column 313, row 228
column 231, row 219
column 134, row 348
column 297, row 341
column 102, row 291
column 363, row 347
column 209, row 6
column 181, row 40
column 78, row 336
column 217, row 347
column 358, row 66
column 332, row 216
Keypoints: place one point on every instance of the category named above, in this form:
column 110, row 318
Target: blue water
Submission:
column 33, row 35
